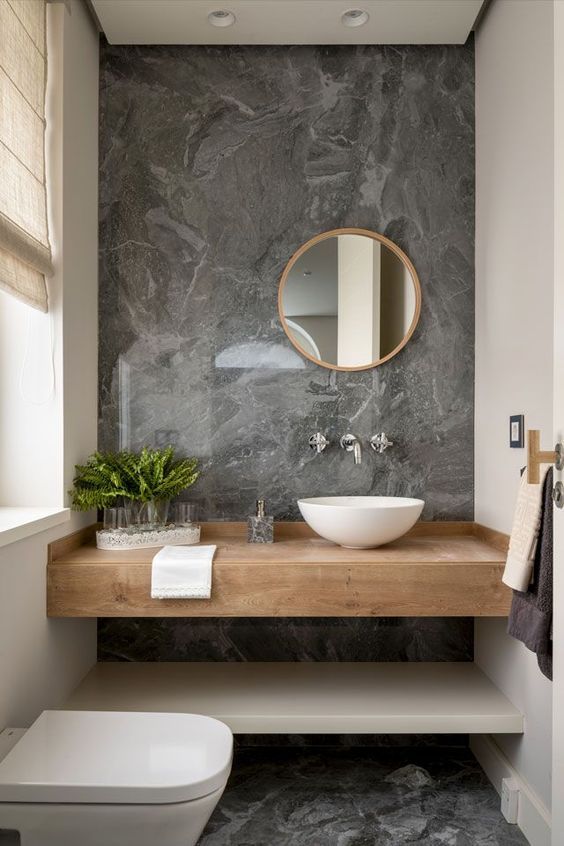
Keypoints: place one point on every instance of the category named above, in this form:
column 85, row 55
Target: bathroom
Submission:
column 199, row 164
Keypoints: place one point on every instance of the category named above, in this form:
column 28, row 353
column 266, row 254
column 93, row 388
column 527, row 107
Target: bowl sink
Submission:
column 361, row 522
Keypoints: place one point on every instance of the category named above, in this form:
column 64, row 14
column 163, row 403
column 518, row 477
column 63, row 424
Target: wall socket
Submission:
column 509, row 799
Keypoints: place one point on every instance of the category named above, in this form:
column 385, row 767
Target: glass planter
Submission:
column 148, row 516
column 117, row 519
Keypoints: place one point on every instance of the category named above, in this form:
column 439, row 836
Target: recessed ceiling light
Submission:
column 221, row 17
column 354, row 17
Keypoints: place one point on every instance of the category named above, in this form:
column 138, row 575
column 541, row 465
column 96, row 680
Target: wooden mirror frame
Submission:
column 323, row 236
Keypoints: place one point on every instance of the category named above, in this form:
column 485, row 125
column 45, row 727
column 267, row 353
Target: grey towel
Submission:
column 530, row 618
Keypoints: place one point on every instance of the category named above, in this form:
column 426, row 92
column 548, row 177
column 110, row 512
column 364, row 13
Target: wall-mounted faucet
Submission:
column 380, row 442
column 352, row 444
column 318, row 442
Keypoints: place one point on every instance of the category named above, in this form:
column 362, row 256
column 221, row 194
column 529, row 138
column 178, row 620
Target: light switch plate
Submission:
column 517, row 431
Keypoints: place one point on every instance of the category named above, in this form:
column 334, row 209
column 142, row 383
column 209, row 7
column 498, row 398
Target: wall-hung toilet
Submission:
column 104, row 778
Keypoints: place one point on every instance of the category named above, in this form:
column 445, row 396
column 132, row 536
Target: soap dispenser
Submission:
column 260, row 527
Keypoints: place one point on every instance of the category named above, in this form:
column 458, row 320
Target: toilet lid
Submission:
column 118, row 758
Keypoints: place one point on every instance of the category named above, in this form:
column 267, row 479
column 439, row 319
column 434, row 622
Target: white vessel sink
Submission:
column 361, row 522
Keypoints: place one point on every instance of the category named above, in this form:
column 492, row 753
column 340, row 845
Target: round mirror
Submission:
column 349, row 299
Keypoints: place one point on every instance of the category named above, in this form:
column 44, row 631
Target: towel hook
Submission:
column 537, row 456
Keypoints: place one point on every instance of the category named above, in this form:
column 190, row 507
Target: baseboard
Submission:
column 534, row 818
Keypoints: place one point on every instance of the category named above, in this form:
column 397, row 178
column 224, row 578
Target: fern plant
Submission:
column 160, row 476
column 151, row 475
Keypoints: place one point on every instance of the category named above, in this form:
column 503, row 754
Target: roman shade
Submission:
column 25, row 253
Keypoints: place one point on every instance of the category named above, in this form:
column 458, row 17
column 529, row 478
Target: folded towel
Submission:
column 530, row 618
column 182, row 572
column 524, row 534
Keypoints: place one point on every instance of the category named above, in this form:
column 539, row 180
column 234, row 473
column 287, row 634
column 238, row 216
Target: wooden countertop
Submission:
column 436, row 570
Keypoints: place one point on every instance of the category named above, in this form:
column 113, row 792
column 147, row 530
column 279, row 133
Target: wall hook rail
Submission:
column 537, row 456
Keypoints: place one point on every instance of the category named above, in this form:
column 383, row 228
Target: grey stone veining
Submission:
column 358, row 798
column 286, row 639
column 260, row 529
column 216, row 164
column 350, row 741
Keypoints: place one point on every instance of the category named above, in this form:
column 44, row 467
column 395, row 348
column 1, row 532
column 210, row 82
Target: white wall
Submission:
column 558, row 633
column 80, row 235
column 358, row 335
column 514, row 316
column 41, row 660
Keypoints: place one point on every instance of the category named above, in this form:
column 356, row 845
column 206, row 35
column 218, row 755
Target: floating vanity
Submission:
column 437, row 569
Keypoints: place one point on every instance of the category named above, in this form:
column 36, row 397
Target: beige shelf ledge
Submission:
column 436, row 570
column 309, row 698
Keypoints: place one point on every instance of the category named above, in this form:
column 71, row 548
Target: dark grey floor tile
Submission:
column 356, row 797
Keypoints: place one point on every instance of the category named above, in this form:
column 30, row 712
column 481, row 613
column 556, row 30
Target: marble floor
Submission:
column 292, row 796
column 358, row 797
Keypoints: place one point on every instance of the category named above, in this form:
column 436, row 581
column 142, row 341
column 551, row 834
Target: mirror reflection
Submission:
column 349, row 299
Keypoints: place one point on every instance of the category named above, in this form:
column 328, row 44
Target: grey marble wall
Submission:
column 291, row 639
column 216, row 164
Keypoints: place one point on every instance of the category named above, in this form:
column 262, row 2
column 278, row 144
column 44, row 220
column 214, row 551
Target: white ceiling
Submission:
column 287, row 21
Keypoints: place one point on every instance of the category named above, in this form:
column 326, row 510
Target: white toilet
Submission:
column 105, row 778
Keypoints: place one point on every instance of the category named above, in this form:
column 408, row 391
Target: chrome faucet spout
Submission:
column 352, row 444
column 357, row 453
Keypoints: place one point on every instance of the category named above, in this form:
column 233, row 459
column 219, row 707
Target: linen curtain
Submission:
column 25, row 252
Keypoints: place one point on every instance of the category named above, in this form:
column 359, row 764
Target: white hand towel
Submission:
column 525, row 533
column 182, row 572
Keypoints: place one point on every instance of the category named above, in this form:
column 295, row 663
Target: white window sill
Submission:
column 19, row 523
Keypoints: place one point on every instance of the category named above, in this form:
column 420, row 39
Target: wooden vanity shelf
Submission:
column 436, row 570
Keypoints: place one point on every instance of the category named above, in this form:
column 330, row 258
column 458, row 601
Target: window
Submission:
column 48, row 362
column 31, row 483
